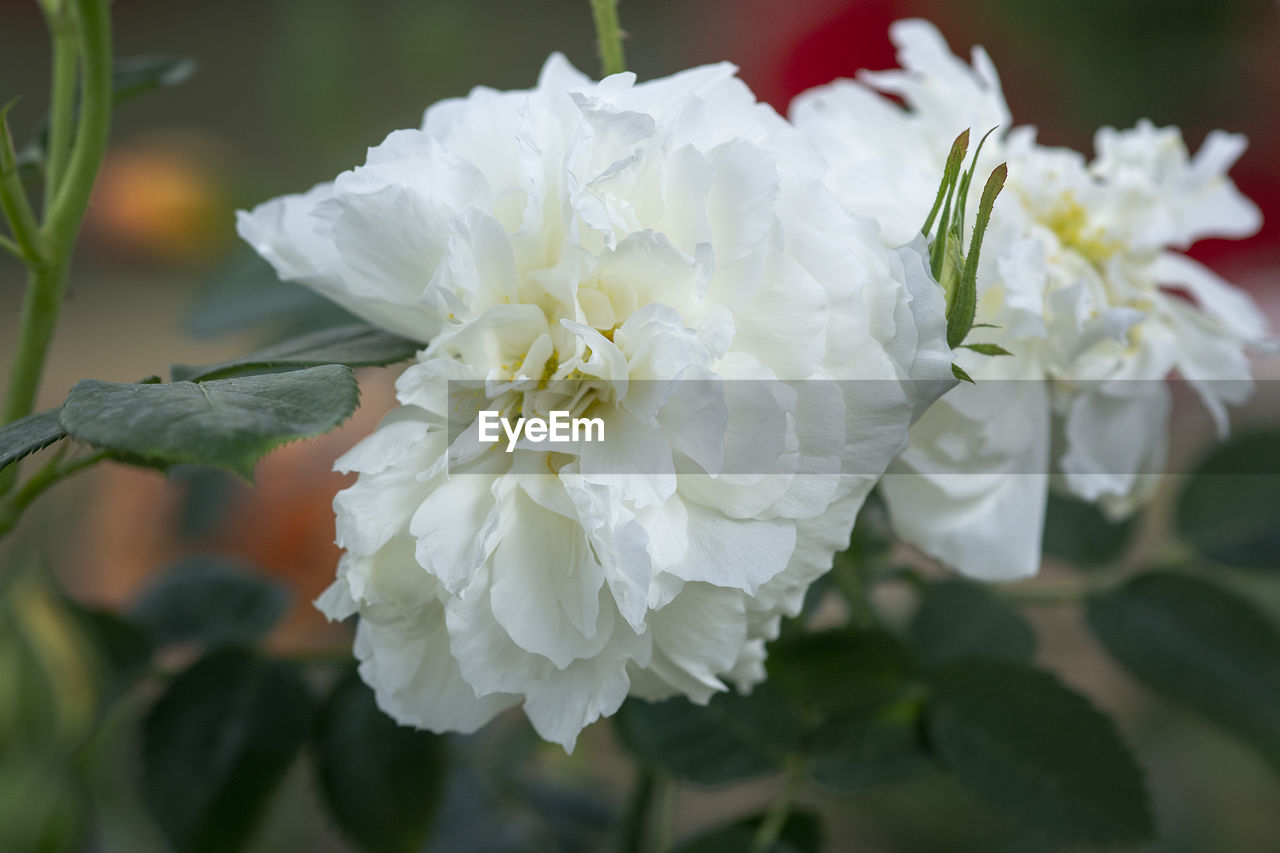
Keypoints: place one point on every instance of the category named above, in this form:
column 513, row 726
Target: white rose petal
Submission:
column 1076, row 275
column 756, row 353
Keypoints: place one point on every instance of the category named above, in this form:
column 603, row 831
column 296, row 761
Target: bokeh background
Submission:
column 290, row 92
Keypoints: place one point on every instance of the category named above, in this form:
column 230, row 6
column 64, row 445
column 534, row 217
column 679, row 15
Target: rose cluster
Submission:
column 746, row 304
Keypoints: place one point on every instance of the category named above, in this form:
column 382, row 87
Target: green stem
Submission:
column 39, row 483
column 776, row 818
column 11, row 247
column 62, row 26
column 1051, row 594
column 666, row 815
column 609, row 35
column 851, row 579
column 319, row 657
column 48, row 260
column 635, row 822
column 40, row 307
column 13, row 198
column 62, row 222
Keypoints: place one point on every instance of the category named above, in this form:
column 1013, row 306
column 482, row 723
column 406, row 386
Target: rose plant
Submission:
column 894, row 320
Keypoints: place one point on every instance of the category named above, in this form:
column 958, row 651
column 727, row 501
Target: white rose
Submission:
column 630, row 238
column 1076, row 272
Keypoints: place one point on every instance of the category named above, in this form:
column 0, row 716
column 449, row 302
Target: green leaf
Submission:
column 133, row 75
column 831, row 671
column 1229, row 511
column 381, row 781
column 961, row 374
column 1081, row 534
column 863, row 749
column 211, row 601
column 958, row 620
column 124, row 649
column 358, row 345
column 802, row 833
column 223, row 423
column 1201, row 646
column 733, row 737
column 43, row 808
column 1038, row 752
column 987, row 349
column 216, row 746
column 246, row 293
column 27, row 435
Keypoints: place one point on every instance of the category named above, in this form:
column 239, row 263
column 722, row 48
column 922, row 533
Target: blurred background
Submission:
column 291, row 92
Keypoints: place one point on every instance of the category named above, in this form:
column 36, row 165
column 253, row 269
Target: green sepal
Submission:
column 949, row 174
column 961, row 310
column 987, row 349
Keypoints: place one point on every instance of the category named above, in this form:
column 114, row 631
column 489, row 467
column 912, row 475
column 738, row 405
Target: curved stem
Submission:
column 47, row 272
column 62, row 26
column 635, row 822
column 1061, row 593
column 609, row 35
column 62, row 223
column 39, row 483
column 13, row 198
column 11, row 247
column 776, row 818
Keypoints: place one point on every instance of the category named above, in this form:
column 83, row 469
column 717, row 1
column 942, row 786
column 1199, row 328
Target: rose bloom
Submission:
column 660, row 255
column 1080, row 277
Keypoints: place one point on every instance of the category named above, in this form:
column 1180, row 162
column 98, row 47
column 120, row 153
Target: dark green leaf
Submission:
column 358, row 345
column 1081, row 534
column 862, row 749
column 27, row 435
column 217, row 744
column 224, row 423
column 246, row 293
column 1199, row 645
column 802, row 833
column 872, row 541
column 133, row 75
column 1230, row 509
column 832, row 671
column 123, row 648
column 381, row 782
column 958, row 619
column 210, row 600
column 960, row 373
column 1038, row 751
column 733, row 737
column 43, row 808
